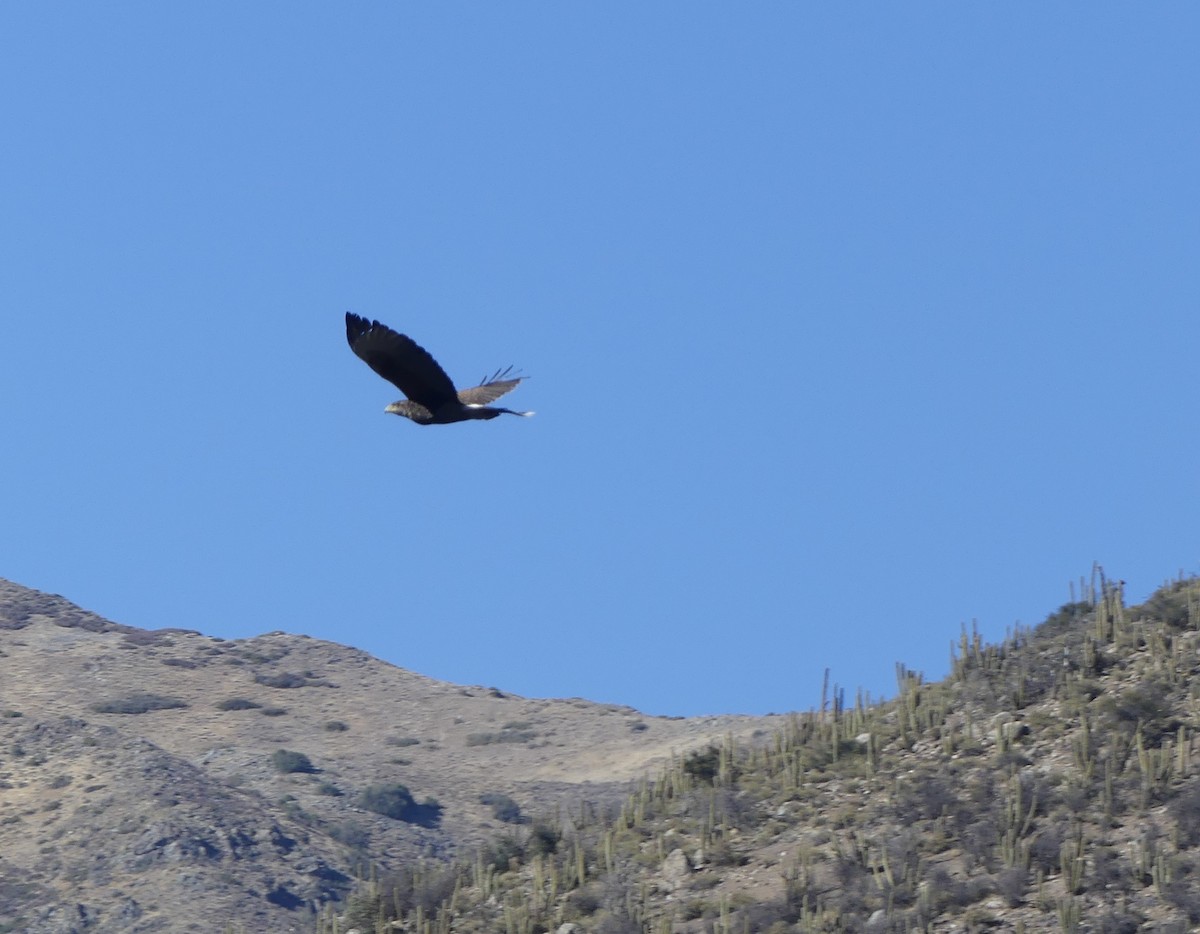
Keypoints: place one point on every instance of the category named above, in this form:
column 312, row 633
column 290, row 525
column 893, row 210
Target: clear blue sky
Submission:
column 848, row 324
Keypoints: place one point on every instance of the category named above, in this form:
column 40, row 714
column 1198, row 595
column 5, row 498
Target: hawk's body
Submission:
column 432, row 398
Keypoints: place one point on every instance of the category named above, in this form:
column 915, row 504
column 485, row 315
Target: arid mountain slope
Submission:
column 138, row 789
column 1050, row 783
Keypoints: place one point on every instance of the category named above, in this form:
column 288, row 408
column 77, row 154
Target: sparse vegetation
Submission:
column 138, row 703
column 285, row 680
column 350, row 833
column 1050, row 783
column 392, row 800
column 503, row 807
column 503, row 736
column 142, row 638
column 1025, row 791
column 395, row 801
column 237, row 703
column 287, row 761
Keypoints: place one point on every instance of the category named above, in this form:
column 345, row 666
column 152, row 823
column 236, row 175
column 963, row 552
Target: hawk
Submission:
column 431, row 396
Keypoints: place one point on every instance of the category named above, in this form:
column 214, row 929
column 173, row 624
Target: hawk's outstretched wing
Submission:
column 401, row 361
column 490, row 389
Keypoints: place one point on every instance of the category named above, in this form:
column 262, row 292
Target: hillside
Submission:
column 1048, row 784
column 142, row 786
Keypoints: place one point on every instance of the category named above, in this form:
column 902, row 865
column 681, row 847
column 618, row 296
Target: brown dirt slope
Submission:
column 138, row 793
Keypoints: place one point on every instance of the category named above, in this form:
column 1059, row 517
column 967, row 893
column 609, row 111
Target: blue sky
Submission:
column 847, row 323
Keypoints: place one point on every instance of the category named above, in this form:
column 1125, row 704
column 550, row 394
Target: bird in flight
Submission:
column 432, row 398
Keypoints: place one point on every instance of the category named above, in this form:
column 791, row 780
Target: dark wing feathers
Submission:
column 401, row 361
column 498, row 375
